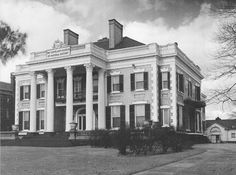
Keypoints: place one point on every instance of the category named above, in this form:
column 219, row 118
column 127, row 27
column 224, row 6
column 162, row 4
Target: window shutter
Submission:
column 131, row 116
column 21, row 92
column 178, row 117
column 20, row 121
column 121, row 82
column 177, row 81
column 29, row 91
column 160, row 80
column 168, row 80
column 147, row 112
column 108, row 117
column 29, row 121
column 108, row 84
column 200, row 123
column 132, row 82
column 183, row 82
column 38, row 91
column 122, row 116
column 145, row 75
column 64, row 92
column 37, row 120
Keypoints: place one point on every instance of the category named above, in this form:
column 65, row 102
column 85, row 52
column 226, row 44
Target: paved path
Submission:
column 218, row 159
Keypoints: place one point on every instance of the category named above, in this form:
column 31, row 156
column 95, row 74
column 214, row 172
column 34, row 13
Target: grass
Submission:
column 79, row 160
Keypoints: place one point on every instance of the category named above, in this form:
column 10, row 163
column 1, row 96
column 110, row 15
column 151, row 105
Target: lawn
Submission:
column 79, row 160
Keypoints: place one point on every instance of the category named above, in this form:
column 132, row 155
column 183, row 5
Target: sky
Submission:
column 189, row 23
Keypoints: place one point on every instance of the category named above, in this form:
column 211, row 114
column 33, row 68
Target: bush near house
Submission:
column 145, row 141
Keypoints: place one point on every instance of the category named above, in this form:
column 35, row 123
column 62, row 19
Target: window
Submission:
column 197, row 93
column 115, row 115
column 40, row 120
column 180, row 82
column 115, row 80
column 139, row 81
column 140, row 115
column 233, row 135
column 180, row 116
column 165, row 76
column 198, row 121
column 95, row 83
column 61, row 88
column 77, row 87
column 165, row 116
column 190, row 89
column 25, row 92
column 40, row 90
column 26, row 120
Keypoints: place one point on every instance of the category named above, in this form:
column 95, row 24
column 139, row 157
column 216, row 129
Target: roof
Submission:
column 227, row 124
column 126, row 42
column 5, row 86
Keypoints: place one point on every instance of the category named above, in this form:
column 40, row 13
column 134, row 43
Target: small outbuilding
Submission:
column 221, row 130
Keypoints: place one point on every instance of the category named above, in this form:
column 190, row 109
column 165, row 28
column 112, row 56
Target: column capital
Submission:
column 69, row 68
column 32, row 73
column 50, row 71
column 102, row 70
column 89, row 66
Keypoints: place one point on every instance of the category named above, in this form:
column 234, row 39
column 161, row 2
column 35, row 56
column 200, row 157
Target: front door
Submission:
column 81, row 120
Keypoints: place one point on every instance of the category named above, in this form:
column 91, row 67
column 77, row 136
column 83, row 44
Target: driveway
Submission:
column 219, row 159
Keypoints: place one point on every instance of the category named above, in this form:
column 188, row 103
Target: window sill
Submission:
column 139, row 90
column 163, row 126
column 181, row 92
column 42, row 98
column 165, row 89
column 25, row 100
column 115, row 129
column 115, row 92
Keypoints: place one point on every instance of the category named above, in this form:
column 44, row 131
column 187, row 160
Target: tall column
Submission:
column 101, row 99
column 89, row 96
column 69, row 96
column 50, row 101
column 33, row 102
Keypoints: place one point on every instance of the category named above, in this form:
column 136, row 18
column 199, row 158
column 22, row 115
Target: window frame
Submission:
column 233, row 135
column 136, row 106
column 168, row 115
column 41, row 115
column 63, row 95
column 112, row 83
column 116, row 116
column 26, row 93
column 42, row 92
column 166, row 81
column 135, row 83
column 77, row 81
column 180, row 109
column 23, row 120
column 190, row 89
column 180, row 86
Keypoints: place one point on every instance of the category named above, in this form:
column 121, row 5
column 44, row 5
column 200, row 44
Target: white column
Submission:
column 101, row 99
column 50, row 101
column 89, row 96
column 17, row 100
column 154, row 116
column 69, row 96
column 33, row 102
column 174, row 95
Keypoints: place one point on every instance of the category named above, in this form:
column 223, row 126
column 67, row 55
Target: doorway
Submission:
column 81, row 120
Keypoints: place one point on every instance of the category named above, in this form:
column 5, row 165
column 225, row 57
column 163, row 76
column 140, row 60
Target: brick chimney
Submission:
column 70, row 37
column 115, row 33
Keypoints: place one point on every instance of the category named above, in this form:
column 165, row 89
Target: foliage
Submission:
column 11, row 42
column 144, row 141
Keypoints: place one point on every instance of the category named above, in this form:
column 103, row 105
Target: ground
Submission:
column 203, row 159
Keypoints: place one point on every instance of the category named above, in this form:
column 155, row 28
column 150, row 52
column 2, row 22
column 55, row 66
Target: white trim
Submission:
column 115, row 92
column 165, row 107
column 180, row 103
column 139, row 70
column 196, row 84
column 115, row 104
column 139, row 90
column 165, row 69
column 23, row 110
column 139, row 102
column 115, row 73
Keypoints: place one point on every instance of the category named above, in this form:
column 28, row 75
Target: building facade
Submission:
column 112, row 83
column 219, row 130
column 6, row 106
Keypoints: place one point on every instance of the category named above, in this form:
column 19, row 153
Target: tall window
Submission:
column 233, row 135
column 165, row 77
column 139, row 81
column 26, row 120
column 190, row 89
column 115, row 80
column 40, row 120
column 115, row 115
column 95, row 83
column 197, row 93
column 40, row 90
column 140, row 115
column 77, row 87
column 61, row 88
column 198, row 122
column 25, row 92
column 165, row 116
column 180, row 82
column 180, row 116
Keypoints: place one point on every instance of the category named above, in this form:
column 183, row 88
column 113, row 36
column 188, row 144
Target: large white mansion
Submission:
column 113, row 82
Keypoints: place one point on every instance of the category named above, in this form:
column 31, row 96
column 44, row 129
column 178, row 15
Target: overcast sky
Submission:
column 148, row 21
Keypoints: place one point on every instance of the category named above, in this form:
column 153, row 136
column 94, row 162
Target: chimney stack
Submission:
column 115, row 33
column 70, row 37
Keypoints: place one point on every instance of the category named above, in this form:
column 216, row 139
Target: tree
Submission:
column 225, row 58
column 11, row 42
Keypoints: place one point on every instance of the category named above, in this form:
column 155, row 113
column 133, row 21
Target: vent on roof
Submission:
column 115, row 33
